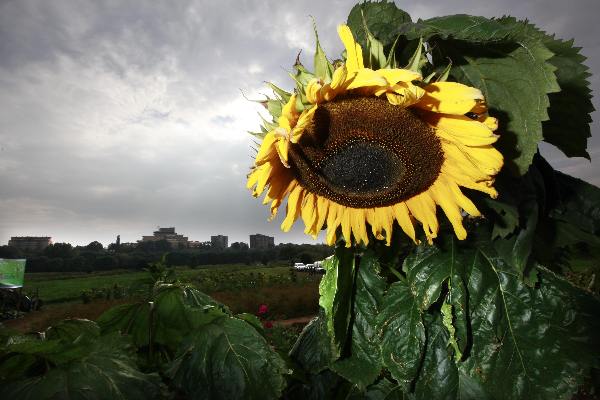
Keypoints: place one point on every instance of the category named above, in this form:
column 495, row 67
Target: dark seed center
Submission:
column 363, row 152
column 363, row 167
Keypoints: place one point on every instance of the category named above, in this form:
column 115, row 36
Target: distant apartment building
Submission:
column 219, row 241
column 195, row 244
column 30, row 243
column 168, row 234
column 258, row 241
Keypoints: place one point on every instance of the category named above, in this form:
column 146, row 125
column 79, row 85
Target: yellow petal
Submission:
column 403, row 218
column 386, row 218
column 354, row 57
column 266, row 148
column 282, row 147
column 463, row 201
column 313, row 91
column 485, row 159
column 423, row 209
column 252, row 178
column 366, row 77
column 346, row 225
column 339, row 77
column 303, row 121
column 265, row 173
column 278, row 195
column 490, row 122
column 450, row 98
column 359, row 228
column 444, row 198
column 288, row 114
column 465, row 181
column 294, row 204
column 332, row 223
column 393, row 76
column 309, row 211
column 322, row 209
column 462, row 129
column 374, row 220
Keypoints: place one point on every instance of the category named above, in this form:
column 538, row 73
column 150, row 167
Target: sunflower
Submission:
column 367, row 148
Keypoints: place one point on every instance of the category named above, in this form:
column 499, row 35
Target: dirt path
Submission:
column 294, row 321
column 37, row 321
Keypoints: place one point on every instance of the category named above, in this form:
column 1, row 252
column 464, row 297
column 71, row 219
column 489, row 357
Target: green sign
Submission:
column 12, row 273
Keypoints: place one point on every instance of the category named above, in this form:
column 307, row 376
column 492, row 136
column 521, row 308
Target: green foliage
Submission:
column 382, row 19
column 363, row 363
column 172, row 312
column 568, row 126
column 515, row 79
column 74, row 362
column 436, row 344
column 336, row 295
column 402, row 333
column 228, row 360
column 314, row 350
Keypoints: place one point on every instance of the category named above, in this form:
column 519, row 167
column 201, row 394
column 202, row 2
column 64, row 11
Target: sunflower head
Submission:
column 364, row 149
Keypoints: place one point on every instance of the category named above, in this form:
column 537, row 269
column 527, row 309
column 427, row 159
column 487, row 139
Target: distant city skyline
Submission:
column 191, row 239
column 120, row 116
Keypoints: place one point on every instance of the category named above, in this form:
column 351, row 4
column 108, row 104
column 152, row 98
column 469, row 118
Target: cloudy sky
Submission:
column 120, row 116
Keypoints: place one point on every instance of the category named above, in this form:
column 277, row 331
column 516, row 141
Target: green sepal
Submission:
column 376, row 57
column 323, row 68
column 283, row 95
column 391, row 62
column 418, row 59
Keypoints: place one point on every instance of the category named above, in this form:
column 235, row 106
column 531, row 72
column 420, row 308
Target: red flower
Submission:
column 268, row 324
column 263, row 309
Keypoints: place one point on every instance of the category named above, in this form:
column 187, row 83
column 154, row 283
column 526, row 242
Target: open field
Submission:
column 58, row 287
column 242, row 288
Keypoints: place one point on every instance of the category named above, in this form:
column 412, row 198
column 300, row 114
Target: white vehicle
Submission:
column 299, row 266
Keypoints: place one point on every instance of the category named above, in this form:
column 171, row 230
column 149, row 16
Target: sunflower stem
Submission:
column 396, row 273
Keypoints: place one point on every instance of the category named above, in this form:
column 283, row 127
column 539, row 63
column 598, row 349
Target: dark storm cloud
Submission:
column 118, row 116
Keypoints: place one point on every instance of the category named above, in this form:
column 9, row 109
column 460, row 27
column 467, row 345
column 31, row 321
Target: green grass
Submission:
column 62, row 287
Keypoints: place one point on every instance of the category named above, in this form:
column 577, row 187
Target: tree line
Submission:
column 63, row 257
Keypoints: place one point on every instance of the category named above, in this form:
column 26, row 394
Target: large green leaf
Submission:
column 402, row 333
column 439, row 377
column 73, row 329
column 384, row 389
column 336, row 290
column 175, row 312
column 130, row 319
column 364, row 362
column 383, row 20
column 106, row 371
column 228, row 359
column 515, row 78
column 469, row 28
column 314, row 349
column 578, row 203
column 428, row 269
column 569, row 124
column 324, row 385
column 534, row 343
column 528, row 343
